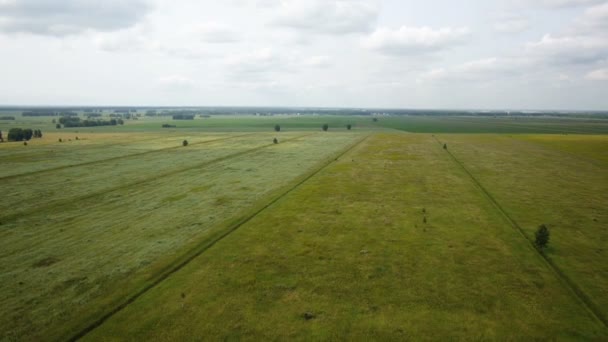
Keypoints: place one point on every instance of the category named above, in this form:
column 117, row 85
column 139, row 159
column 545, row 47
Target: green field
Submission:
column 376, row 233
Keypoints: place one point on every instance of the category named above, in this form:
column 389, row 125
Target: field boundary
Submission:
column 219, row 236
column 568, row 283
column 93, row 162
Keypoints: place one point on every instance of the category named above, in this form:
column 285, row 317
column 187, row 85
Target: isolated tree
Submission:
column 349, row 126
column 185, row 143
column 58, row 126
column 277, row 128
column 325, row 127
column 275, row 141
column 445, row 146
column 542, row 236
column 39, row 133
column 375, row 119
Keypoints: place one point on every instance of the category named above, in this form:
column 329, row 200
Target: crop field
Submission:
column 377, row 233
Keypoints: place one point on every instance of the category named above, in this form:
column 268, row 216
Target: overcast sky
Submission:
column 517, row 54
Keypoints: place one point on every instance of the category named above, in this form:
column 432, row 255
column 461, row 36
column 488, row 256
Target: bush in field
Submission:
column 445, row 146
column 542, row 236
column 1, row 138
column 325, row 127
column 275, row 141
column 349, row 126
column 277, row 128
column 185, row 143
column 58, row 126
column 375, row 119
column 28, row 134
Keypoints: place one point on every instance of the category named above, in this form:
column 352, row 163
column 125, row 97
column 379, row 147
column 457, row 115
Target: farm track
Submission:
column 207, row 244
column 117, row 157
column 566, row 281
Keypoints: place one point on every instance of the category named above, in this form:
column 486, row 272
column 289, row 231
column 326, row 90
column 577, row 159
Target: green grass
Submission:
column 82, row 238
column 350, row 247
column 560, row 181
column 229, row 238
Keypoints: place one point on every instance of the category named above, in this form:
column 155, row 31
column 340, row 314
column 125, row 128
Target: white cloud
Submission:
column 488, row 69
column 414, row 40
column 213, row 32
column 566, row 3
column 513, row 24
column 69, row 17
column 568, row 49
column 256, row 62
column 328, row 17
column 317, row 62
column 598, row 75
column 176, row 83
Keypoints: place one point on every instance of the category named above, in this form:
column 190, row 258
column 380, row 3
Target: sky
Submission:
column 433, row 54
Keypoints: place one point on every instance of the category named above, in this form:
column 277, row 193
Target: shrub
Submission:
column 542, row 236
column 275, row 141
column 325, row 127
column 185, row 143
column 349, row 126
column 445, row 146
column 58, row 126
column 375, row 119
column 277, row 128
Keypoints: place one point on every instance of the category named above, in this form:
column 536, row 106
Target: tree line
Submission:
column 20, row 134
column 68, row 121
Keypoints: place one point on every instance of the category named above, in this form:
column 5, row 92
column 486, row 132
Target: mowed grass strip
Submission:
column 560, row 181
column 63, row 186
column 348, row 255
column 48, row 153
column 62, row 267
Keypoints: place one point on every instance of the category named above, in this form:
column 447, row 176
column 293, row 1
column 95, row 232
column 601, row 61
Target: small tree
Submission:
column 325, row 127
column 445, row 146
column 375, row 119
column 275, row 141
column 58, row 126
column 1, row 138
column 15, row 134
column 349, row 126
column 28, row 134
column 185, row 143
column 542, row 237
column 277, row 128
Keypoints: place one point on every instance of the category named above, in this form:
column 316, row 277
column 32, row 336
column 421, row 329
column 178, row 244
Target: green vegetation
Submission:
column 118, row 232
column 541, row 236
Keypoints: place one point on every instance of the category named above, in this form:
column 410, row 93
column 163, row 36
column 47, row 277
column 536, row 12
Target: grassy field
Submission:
column 350, row 248
column 124, row 233
column 81, row 238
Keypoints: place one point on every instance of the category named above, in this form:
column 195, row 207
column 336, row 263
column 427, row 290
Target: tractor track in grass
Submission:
column 93, row 162
column 65, row 202
column 208, row 243
column 566, row 281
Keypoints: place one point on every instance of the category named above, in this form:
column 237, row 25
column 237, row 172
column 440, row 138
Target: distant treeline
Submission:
column 49, row 113
column 7, row 118
column 183, row 117
column 67, row 121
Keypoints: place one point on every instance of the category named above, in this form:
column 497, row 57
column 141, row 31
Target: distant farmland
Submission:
column 409, row 227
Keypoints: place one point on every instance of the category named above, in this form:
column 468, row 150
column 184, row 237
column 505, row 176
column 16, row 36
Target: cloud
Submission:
column 569, row 50
column 317, row 62
column 598, row 75
column 566, row 3
column 328, row 17
column 256, row 62
column 213, row 32
column 414, row 40
column 487, row 69
column 176, row 83
column 69, row 17
column 513, row 24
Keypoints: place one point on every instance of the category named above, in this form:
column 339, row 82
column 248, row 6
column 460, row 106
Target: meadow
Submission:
column 372, row 233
